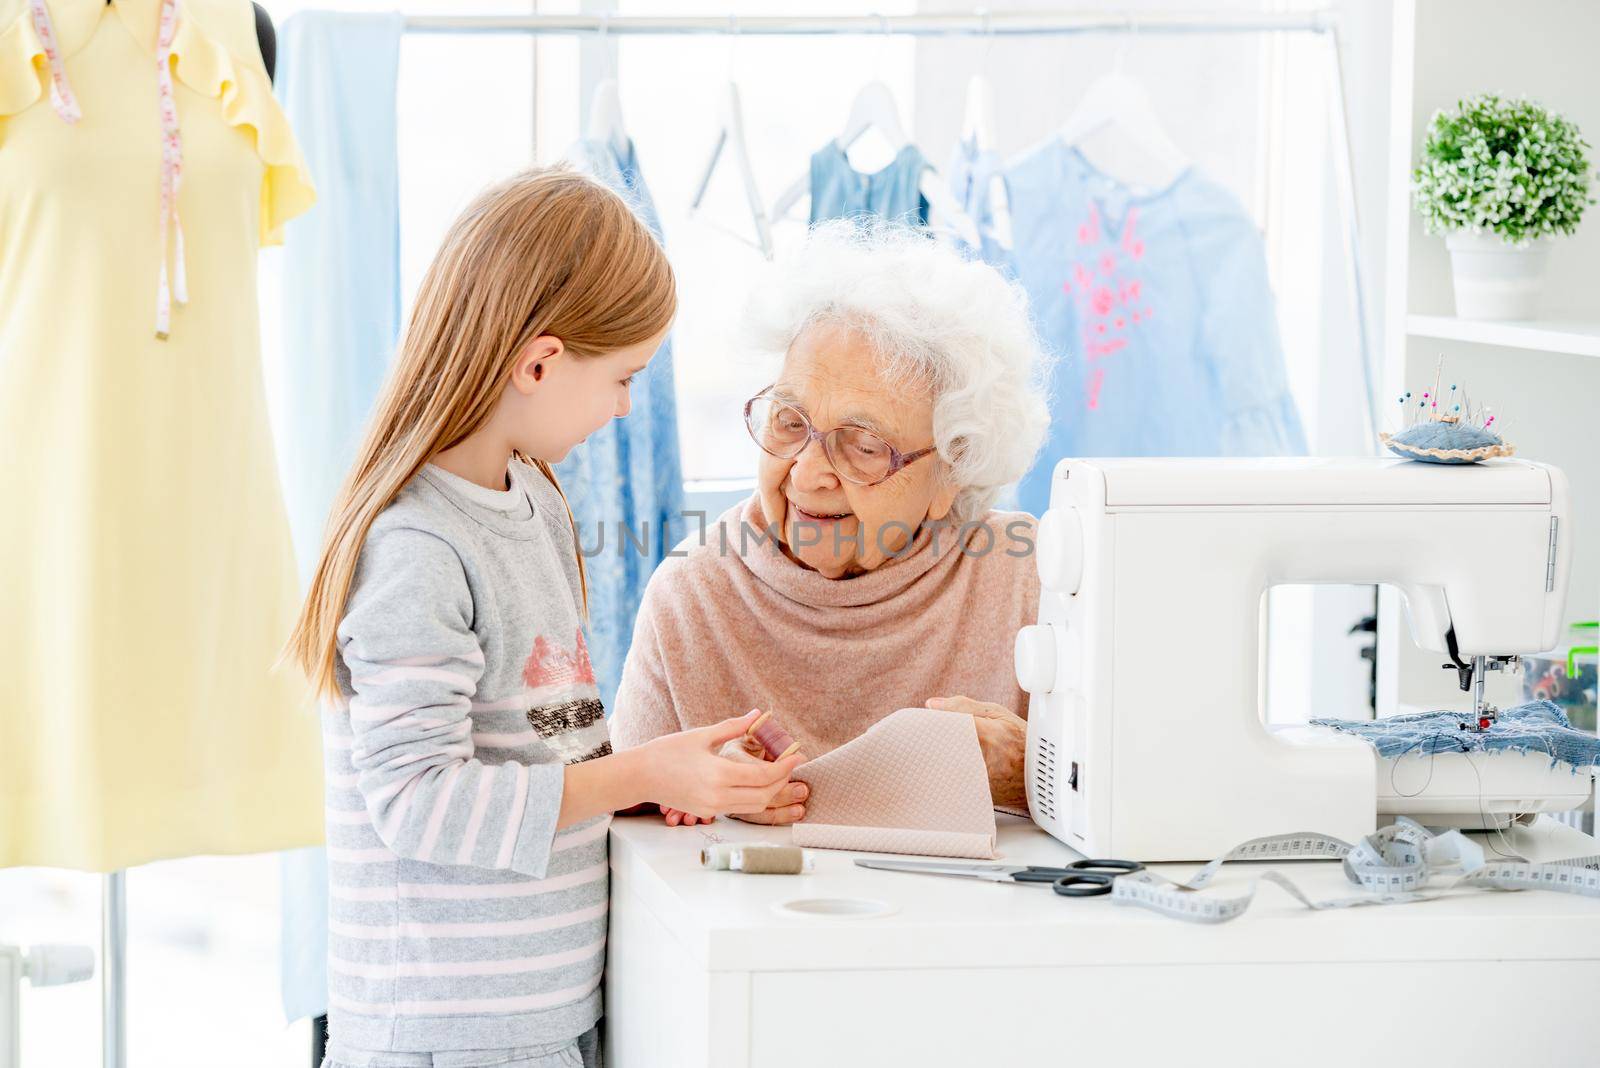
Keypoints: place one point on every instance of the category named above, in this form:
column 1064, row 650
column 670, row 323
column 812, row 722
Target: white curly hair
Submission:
column 935, row 321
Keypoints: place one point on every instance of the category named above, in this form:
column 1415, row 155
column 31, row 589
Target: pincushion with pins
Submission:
column 1446, row 430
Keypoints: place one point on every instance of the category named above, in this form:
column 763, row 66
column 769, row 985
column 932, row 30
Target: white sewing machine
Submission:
column 1146, row 739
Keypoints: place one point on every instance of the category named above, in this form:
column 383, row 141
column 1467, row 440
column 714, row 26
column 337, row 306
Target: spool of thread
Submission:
column 777, row 742
column 769, row 860
column 716, row 857
column 756, row 859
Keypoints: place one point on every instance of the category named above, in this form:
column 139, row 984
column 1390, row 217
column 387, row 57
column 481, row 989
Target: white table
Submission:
column 703, row 971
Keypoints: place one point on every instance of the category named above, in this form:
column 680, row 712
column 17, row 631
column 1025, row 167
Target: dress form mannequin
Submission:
column 209, row 38
column 114, row 921
column 267, row 38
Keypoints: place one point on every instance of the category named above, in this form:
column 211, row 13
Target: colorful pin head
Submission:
column 1460, row 431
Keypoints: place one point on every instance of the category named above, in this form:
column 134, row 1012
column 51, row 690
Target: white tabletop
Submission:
column 727, row 920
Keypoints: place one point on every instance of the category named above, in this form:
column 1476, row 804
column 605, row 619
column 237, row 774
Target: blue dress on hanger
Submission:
column 971, row 172
column 1159, row 308
column 839, row 191
column 625, row 484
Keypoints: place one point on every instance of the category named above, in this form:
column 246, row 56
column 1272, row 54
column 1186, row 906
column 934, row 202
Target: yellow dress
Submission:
column 148, row 576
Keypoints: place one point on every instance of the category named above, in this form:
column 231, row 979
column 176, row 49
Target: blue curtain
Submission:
column 625, row 483
column 341, row 299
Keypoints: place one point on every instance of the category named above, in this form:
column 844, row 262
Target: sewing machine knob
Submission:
column 1036, row 658
column 1060, row 550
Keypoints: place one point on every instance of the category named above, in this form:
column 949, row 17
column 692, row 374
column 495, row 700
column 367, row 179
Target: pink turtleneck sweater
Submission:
column 722, row 632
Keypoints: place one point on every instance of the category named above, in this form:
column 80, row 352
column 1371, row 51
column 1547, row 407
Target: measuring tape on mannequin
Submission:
column 1401, row 863
column 171, row 285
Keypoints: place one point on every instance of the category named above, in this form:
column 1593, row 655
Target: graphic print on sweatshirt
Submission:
column 565, row 704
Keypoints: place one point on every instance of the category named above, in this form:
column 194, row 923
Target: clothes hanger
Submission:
column 978, row 121
column 730, row 135
column 605, row 117
column 874, row 108
column 1117, row 101
column 605, row 108
column 978, row 127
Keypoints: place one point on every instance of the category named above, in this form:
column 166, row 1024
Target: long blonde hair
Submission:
column 547, row 252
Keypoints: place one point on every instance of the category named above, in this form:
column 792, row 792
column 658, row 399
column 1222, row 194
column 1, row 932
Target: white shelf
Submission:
column 1545, row 335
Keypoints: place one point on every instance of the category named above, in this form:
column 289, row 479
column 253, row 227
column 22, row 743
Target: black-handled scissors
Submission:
column 1081, row 878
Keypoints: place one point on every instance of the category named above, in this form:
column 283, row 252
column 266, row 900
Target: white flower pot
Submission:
column 1494, row 279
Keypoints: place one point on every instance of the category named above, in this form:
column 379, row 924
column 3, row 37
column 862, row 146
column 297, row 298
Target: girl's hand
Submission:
column 786, row 808
column 1003, row 738
column 686, row 772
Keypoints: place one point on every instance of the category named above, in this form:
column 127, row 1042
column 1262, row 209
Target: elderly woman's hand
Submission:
column 787, row 807
column 1003, row 737
column 688, row 819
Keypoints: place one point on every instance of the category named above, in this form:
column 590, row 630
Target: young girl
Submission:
column 470, row 780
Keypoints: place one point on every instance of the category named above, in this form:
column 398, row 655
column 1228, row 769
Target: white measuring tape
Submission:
column 61, row 98
column 171, row 176
column 1394, row 865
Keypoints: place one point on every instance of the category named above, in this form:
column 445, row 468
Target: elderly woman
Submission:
column 868, row 572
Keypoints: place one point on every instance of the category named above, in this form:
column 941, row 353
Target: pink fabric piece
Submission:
column 725, row 630
column 914, row 783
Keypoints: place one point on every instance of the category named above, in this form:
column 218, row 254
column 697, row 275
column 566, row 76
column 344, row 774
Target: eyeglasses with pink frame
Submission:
column 897, row 459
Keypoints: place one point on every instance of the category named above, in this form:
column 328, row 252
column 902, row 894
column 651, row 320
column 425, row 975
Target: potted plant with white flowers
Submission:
column 1499, row 178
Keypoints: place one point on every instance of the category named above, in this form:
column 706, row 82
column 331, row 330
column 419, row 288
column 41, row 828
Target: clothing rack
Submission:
column 979, row 23
column 982, row 23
